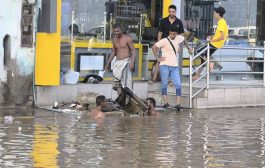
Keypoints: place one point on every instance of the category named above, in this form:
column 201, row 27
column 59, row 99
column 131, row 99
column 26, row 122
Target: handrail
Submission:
column 199, row 91
column 239, row 72
column 191, row 83
column 243, row 48
column 207, row 74
column 199, row 54
column 195, row 70
column 251, row 61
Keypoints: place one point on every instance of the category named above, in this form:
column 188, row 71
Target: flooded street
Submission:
column 202, row 138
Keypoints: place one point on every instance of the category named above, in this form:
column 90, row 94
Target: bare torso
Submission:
column 95, row 114
column 122, row 48
column 153, row 113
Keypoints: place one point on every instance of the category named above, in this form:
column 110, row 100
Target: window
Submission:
column 243, row 32
column 7, row 50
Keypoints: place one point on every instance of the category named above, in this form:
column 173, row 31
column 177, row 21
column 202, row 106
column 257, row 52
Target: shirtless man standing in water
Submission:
column 124, row 51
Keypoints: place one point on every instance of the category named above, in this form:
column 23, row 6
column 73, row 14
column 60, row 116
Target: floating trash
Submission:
column 8, row 119
column 72, row 105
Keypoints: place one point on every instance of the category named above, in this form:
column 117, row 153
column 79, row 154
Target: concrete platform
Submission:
column 232, row 97
column 218, row 96
column 47, row 95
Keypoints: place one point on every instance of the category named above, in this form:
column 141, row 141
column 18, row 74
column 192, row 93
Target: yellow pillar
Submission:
column 166, row 4
column 47, row 65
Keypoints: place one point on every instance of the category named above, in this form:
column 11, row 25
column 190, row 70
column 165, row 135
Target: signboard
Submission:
column 91, row 62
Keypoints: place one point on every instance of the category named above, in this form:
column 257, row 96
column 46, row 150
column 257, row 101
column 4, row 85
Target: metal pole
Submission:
column 105, row 21
column 190, row 82
column 264, row 65
column 72, row 27
column 140, row 31
column 248, row 17
column 110, row 26
column 208, row 65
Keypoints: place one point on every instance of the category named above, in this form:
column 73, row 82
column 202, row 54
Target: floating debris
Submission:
column 8, row 119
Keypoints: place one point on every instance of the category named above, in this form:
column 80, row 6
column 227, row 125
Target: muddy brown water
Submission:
column 197, row 138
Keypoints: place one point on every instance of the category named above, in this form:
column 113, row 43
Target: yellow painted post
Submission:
column 47, row 65
column 166, row 4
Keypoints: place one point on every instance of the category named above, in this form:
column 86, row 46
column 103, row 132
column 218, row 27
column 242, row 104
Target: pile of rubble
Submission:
column 85, row 102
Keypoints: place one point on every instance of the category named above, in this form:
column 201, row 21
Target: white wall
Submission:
column 180, row 8
column 10, row 18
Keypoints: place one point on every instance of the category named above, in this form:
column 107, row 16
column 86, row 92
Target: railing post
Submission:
column 72, row 27
column 264, row 64
column 110, row 25
column 140, row 28
column 208, row 65
column 190, row 79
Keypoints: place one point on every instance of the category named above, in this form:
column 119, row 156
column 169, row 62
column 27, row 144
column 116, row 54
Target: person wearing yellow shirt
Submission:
column 216, row 41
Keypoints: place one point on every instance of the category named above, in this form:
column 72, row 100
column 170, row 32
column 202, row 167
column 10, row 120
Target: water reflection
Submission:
column 45, row 146
column 203, row 138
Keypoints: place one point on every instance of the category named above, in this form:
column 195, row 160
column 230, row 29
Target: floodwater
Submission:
column 229, row 138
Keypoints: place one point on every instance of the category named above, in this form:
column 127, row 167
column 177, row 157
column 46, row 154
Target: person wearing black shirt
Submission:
column 168, row 22
column 171, row 21
column 165, row 25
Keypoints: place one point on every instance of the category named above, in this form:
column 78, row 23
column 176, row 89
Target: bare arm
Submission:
column 188, row 47
column 112, row 55
column 132, row 52
column 159, row 36
column 187, row 44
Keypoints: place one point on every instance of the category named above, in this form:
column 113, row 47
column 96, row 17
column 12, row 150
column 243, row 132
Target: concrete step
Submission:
column 171, row 99
column 232, row 97
column 156, row 87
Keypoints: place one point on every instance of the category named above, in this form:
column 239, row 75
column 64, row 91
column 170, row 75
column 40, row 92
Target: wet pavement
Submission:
column 199, row 138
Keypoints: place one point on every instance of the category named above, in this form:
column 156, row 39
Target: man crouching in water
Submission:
column 97, row 113
column 124, row 51
column 151, row 103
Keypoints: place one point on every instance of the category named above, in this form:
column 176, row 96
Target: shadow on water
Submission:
column 201, row 138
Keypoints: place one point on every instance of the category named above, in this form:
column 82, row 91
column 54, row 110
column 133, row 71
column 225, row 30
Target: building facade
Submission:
column 17, row 50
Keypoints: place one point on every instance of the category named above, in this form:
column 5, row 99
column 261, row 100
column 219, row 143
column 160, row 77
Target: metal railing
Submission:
column 207, row 63
column 191, row 82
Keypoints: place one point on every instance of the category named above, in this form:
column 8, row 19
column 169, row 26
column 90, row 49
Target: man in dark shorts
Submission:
column 217, row 41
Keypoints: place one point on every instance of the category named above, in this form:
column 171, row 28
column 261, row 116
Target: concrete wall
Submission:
column 16, row 76
column 232, row 97
column 47, row 95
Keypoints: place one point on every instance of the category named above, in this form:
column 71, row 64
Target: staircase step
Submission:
column 171, row 99
column 156, row 87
